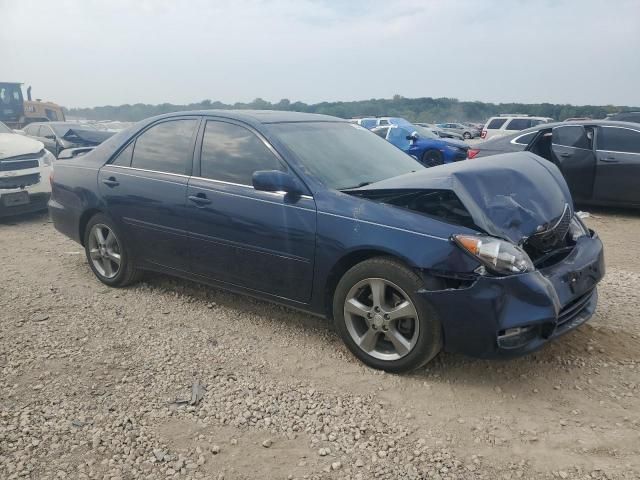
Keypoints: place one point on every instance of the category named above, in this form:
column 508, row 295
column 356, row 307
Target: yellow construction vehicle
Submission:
column 16, row 112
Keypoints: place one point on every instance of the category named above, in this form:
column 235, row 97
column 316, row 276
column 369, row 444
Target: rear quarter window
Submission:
column 496, row 123
column 524, row 139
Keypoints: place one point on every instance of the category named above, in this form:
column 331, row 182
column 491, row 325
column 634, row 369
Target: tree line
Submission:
column 425, row 109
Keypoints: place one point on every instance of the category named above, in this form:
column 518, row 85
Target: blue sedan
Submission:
column 422, row 144
column 484, row 258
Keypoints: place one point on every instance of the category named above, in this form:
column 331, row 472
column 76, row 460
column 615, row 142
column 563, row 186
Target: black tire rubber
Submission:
column 467, row 136
column 432, row 158
column 429, row 341
column 128, row 273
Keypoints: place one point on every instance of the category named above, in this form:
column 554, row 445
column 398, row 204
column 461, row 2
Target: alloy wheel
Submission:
column 105, row 251
column 381, row 319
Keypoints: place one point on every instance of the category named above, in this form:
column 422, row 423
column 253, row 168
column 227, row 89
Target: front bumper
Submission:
column 38, row 193
column 37, row 203
column 514, row 315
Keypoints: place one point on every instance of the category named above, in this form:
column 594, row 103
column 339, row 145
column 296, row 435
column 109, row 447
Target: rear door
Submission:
column 618, row 166
column 263, row 241
column 145, row 189
column 572, row 149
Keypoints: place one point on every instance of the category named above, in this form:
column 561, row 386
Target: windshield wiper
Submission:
column 361, row 184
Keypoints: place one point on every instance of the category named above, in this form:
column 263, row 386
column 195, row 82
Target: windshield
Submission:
column 343, row 155
column 10, row 94
column 4, row 128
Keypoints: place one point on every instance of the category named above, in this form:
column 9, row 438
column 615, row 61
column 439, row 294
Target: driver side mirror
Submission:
column 277, row 181
column 413, row 137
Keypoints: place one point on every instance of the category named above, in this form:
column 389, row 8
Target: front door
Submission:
column 145, row 189
column 263, row 241
column 572, row 149
column 618, row 167
column 48, row 138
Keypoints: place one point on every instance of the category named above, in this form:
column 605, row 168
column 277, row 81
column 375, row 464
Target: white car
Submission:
column 25, row 167
column 508, row 124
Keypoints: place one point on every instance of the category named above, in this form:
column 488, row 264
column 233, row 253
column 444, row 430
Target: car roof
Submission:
column 260, row 116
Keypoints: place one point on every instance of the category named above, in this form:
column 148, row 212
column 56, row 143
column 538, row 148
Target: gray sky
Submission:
column 87, row 53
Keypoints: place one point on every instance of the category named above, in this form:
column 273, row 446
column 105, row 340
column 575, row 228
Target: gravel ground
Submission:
column 96, row 383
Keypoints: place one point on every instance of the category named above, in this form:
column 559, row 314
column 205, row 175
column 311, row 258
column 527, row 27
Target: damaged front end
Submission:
column 538, row 264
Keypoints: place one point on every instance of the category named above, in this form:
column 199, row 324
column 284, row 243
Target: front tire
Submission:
column 467, row 136
column 382, row 319
column 432, row 158
column 109, row 257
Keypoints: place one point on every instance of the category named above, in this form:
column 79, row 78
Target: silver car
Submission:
column 466, row 131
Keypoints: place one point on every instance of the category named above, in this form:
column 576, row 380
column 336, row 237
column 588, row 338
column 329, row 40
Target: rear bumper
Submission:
column 515, row 315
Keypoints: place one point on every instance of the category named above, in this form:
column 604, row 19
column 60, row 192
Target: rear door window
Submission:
column 496, row 123
column 571, row 136
column 614, row 139
column 166, row 147
column 231, row 153
column 518, row 124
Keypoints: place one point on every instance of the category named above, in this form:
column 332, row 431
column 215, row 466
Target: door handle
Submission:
column 199, row 199
column 609, row 159
column 111, row 182
column 565, row 154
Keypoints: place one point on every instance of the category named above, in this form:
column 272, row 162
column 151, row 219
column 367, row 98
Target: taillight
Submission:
column 471, row 153
column 483, row 134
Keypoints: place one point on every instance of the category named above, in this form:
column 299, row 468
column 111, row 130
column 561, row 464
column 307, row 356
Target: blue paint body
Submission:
column 451, row 150
column 294, row 250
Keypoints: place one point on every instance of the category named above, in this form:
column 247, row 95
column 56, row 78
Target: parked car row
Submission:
column 483, row 257
column 599, row 159
column 59, row 136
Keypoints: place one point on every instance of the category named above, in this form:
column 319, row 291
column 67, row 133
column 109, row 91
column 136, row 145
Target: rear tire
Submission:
column 432, row 158
column 109, row 257
column 382, row 319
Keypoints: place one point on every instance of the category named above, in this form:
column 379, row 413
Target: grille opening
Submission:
column 553, row 244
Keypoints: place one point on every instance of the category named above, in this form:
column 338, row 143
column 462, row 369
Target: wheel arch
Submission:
column 349, row 260
column 84, row 220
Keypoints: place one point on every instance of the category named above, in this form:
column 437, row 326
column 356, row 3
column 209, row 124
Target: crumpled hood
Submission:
column 510, row 196
column 12, row 145
column 93, row 137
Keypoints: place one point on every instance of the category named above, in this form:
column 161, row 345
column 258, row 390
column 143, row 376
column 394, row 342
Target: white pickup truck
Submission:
column 25, row 167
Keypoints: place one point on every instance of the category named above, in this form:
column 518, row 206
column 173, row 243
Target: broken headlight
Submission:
column 497, row 255
column 577, row 229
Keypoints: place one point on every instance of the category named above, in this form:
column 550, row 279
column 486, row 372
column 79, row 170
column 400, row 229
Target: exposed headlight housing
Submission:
column 577, row 229
column 48, row 158
column 497, row 255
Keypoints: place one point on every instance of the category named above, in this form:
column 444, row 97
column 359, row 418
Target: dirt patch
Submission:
column 90, row 390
